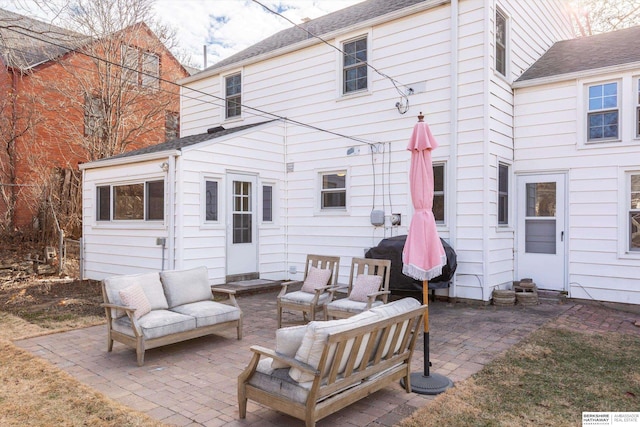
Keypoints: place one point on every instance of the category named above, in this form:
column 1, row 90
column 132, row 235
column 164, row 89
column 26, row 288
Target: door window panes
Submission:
column 242, row 212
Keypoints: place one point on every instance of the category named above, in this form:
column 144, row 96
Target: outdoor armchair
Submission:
column 320, row 275
column 368, row 287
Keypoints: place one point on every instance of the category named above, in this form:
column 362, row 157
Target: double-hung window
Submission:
column 634, row 213
column 603, row 114
column 233, row 95
column 501, row 42
column 211, row 200
column 503, row 194
column 137, row 201
column 438, row 193
column 354, row 65
column 333, row 190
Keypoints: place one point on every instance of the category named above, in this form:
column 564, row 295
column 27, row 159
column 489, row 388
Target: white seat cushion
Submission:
column 345, row 304
column 157, row 323
column 301, row 297
column 186, row 286
column 209, row 312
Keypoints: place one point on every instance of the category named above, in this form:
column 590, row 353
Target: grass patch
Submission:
column 548, row 379
column 35, row 393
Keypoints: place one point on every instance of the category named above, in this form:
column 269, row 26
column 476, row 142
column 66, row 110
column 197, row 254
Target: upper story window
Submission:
column 138, row 201
column 503, row 194
column 171, row 125
column 501, row 42
column 634, row 213
column 354, row 65
column 438, row 193
column 94, row 116
column 603, row 115
column 140, row 68
column 233, row 95
column 333, row 191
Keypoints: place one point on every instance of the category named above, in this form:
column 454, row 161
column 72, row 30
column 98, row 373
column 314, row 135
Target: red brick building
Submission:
column 66, row 98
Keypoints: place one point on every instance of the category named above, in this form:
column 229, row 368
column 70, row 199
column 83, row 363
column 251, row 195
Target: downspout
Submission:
column 452, row 170
column 285, row 190
column 485, row 148
column 173, row 212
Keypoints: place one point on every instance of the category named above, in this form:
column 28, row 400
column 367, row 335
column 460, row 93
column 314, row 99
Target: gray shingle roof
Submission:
column 325, row 24
column 26, row 42
column 587, row 53
column 179, row 143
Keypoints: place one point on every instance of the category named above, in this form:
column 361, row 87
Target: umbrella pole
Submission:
column 426, row 382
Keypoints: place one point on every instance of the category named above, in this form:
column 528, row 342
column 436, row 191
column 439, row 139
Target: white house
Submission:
column 288, row 148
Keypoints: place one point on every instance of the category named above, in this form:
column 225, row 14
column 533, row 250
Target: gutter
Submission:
column 96, row 164
column 452, row 170
column 401, row 13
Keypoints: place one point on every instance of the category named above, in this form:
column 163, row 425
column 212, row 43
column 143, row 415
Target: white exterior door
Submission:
column 242, row 245
column 541, row 230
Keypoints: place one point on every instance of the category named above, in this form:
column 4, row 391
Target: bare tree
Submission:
column 600, row 16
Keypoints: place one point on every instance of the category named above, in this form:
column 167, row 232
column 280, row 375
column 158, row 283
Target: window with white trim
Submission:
column 438, row 193
column 634, row 213
column 211, row 200
column 267, row 203
column 503, row 194
column 603, row 115
column 354, row 65
column 501, row 42
column 233, row 95
column 137, row 201
column 333, row 190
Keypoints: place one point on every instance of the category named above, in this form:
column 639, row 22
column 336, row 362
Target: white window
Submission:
column 333, row 190
column 233, row 95
column 634, row 213
column 139, row 201
column 438, row 193
column 354, row 65
column 211, row 200
column 603, row 115
column 267, row 203
column 501, row 42
column 503, row 194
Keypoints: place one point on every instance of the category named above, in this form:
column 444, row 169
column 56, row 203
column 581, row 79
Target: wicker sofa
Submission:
column 150, row 310
column 320, row 368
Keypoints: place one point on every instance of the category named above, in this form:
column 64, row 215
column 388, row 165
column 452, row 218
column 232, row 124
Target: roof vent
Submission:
column 215, row 129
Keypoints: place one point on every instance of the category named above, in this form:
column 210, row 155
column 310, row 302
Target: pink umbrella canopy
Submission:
column 423, row 256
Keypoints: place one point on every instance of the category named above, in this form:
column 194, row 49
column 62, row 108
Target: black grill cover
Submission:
column 391, row 249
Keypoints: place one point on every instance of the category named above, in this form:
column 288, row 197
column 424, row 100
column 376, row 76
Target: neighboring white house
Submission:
column 305, row 144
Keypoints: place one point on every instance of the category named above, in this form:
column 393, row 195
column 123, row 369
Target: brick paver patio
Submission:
column 194, row 383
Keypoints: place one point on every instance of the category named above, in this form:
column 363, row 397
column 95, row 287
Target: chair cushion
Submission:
column 209, row 312
column 277, row 382
column 150, row 283
column 316, row 278
column 157, row 323
column 364, row 285
column 350, row 306
column 301, row 297
column 315, row 338
column 186, row 286
column 288, row 341
column 134, row 297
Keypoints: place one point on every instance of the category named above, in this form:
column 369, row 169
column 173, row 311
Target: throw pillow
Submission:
column 134, row 297
column 364, row 285
column 287, row 343
column 316, row 278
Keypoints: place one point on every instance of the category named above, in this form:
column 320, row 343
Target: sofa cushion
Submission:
column 209, row 313
column 277, row 382
column 157, row 323
column 305, row 297
column 186, row 286
column 150, row 283
column 392, row 309
column 134, row 297
column 364, row 285
column 350, row 306
column 288, row 341
column 315, row 338
column 316, row 278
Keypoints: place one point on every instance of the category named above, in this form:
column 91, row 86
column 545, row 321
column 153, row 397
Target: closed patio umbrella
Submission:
column 423, row 256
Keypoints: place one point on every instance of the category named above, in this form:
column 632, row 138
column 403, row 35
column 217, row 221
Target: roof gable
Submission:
column 587, row 53
column 326, row 24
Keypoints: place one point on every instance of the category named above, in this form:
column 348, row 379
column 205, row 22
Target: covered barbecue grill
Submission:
column 399, row 283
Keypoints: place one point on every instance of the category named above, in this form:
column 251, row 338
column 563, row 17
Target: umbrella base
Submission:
column 432, row 384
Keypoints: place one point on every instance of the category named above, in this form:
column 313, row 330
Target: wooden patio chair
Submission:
column 320, row 275
column 368, row 287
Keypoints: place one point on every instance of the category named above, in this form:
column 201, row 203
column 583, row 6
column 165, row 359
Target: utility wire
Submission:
column 160, row 79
